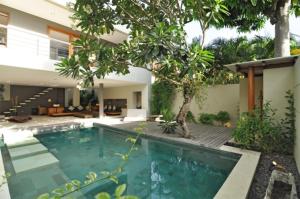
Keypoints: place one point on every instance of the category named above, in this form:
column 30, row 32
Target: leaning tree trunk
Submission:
column 282, row 29
column 185, row 108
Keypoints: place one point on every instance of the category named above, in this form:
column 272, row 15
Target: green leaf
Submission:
column 58, row 191
column 114, row 179
column 44, row 196
column 120, row 190
column 102, row 195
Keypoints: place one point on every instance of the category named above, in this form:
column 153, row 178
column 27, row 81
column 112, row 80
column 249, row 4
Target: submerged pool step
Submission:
column 27, row 150
column 34, row 162
column 12, row 143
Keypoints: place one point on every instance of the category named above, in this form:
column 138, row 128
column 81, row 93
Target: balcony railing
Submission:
column 59, row 49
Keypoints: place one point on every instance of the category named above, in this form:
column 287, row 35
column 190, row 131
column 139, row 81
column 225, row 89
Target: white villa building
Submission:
column 33, row 39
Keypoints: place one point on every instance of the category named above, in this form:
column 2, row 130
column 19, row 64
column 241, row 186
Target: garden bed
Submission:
column 263, row 173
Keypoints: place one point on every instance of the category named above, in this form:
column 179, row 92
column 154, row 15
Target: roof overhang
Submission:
column 260, row 65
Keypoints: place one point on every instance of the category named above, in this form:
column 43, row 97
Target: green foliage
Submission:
column 168, row 125
column 234, row 50
column 207, row 118
column 260, row 130
column 223, row 117
column 92, row 177
column 157, row 42
column 163, row 93
column 190, row 117
column 252, row 15
column 288, row 125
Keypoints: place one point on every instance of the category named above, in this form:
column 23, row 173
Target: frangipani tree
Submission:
column 157, row 42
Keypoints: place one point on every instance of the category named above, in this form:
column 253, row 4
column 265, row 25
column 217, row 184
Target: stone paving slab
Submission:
column 25, row 151
column 33, row 162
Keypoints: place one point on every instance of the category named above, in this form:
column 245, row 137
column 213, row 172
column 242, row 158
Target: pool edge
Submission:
column 4, row 191
column 238, row 183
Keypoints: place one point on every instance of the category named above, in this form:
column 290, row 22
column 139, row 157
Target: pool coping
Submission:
column 4, row 190
column 238, row 183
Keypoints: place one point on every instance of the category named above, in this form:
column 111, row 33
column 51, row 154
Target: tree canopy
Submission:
column 157, row 42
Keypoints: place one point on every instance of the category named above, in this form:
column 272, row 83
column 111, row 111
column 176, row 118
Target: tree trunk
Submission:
column 185, row 108
column 282, row 30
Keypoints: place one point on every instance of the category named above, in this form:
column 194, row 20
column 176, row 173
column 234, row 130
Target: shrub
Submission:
column 190, row 117
column 168, row 124
column 223, row 117
column 260, row 130
column 207, row 118
column 163, row 93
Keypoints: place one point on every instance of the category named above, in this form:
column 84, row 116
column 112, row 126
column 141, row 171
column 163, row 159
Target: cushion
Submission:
column 71, row 108
column 80, row 108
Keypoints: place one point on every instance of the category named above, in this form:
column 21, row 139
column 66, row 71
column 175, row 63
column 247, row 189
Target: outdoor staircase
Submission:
column 14, row 109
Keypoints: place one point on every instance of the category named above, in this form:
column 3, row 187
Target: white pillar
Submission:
column 101, row 100
column 76, row 97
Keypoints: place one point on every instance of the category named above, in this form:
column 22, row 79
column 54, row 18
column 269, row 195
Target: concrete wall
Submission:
column 276, row 82
column 24, row 92
column 127, row 92
column 244, row 93
column 218, row 98
column 297, row 107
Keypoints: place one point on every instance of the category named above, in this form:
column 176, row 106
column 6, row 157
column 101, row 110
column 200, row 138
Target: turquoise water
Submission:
column 157, row 170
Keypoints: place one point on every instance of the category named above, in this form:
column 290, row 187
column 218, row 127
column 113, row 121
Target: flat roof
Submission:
column 259, row 65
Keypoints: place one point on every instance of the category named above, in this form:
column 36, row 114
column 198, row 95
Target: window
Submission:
column 3, row 28
column 60, row 43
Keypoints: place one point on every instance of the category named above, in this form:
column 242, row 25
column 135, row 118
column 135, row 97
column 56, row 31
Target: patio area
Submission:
column 203, row 135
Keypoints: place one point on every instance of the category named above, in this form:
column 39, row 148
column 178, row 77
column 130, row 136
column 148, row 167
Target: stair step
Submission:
column 6, row 112
column 34, row 162
column 27, row 100
column 23, row 103
column 12, row 143
column 45, row 91
column 41, row 93
column 49, row 88
column 25, row 151
column 36, row 96
column 32, row 98
column 12, row 109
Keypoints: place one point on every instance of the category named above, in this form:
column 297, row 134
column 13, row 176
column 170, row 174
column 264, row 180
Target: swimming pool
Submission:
column 158, row 169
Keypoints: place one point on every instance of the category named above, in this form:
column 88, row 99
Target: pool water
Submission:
column 156, row 170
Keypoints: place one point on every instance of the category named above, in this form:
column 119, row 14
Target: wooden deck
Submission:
column 205, row 135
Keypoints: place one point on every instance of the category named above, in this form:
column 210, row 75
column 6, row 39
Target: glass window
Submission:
column 59, row 45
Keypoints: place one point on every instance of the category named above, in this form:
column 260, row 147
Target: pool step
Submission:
column 13, row 143
column 25, row 151
column 34, row 162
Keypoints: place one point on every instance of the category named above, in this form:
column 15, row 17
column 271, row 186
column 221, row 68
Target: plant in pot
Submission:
column 168, row 124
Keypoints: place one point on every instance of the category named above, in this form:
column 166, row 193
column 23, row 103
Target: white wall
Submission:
column 297, row 107
column 127, row 92
column 28, row 46
column 218, row 98
column 277, row 82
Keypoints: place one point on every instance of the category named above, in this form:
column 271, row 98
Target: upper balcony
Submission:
column 32, row 50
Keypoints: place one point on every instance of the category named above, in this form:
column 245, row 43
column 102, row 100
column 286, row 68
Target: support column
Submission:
column 101, row 100
column 251, row 89
column 76, row 97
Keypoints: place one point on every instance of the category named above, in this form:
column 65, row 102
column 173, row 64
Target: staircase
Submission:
column 14, row 109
